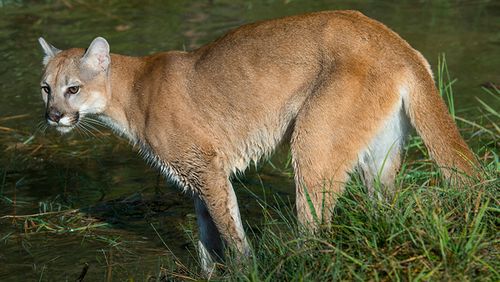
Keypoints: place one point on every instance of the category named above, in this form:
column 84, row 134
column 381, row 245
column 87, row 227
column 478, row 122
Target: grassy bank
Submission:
column 429, row 231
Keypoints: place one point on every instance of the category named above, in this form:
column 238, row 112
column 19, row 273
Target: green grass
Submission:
column 428, row 232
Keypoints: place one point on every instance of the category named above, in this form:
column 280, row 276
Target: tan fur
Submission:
column 338, row 85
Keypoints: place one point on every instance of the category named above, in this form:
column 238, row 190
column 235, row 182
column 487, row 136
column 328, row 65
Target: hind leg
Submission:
column 331, row 131
column 321, row 169
column 379, row 163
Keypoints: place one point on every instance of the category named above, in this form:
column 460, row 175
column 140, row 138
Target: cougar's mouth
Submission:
column 65, row 123
column 64, row 128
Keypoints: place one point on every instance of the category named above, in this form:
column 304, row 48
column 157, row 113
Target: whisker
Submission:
column 93, row 123
column 40, row 124
column 96, row 121
column 82, row 129
column 83, row 126
column 77, row 128
column 89, row 125
column 41, row 127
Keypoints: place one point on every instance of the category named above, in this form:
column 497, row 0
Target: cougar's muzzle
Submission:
column 63, row 122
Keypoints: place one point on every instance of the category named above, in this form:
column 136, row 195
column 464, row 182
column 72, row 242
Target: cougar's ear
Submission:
column 50, row 51
column 97, row 56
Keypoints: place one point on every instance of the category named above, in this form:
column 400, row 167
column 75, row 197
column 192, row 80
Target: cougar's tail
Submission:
column 429, row 115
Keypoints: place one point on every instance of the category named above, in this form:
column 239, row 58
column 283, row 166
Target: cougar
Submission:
column 342, row 89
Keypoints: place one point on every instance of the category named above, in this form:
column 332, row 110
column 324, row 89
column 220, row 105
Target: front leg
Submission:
column 201, row 171
column 210, row 245
column 218, row 217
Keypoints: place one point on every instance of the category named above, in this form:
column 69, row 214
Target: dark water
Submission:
column 103, row 175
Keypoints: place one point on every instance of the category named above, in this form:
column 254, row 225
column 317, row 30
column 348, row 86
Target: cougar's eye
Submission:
column 73, row 89
column 46, row 89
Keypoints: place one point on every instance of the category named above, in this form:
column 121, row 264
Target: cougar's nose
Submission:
column 53, row 115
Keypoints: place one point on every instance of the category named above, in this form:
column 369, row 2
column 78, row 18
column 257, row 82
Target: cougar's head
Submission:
column 75, row 83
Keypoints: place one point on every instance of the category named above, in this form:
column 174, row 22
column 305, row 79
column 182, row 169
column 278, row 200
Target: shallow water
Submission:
column 103, row 175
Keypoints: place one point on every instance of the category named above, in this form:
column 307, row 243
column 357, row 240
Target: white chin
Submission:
column 64, row 129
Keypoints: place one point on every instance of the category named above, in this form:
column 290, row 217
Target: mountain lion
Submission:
column 341, row 88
